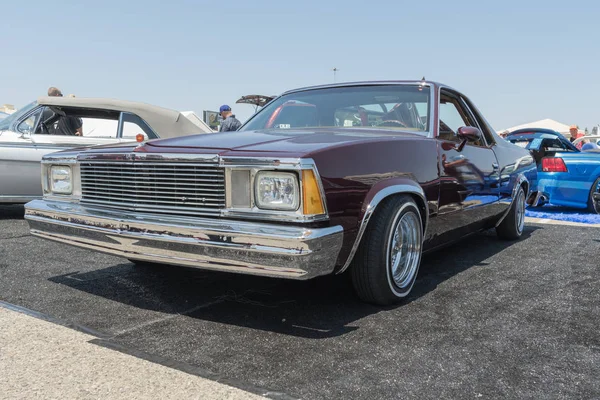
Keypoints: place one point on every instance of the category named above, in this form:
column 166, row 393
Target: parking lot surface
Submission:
column 486, row 319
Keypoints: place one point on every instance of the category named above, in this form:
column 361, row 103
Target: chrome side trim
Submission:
column 11, row 199
column 519, row 181
column 155, row 157
column 274, row 250
column 382, row 194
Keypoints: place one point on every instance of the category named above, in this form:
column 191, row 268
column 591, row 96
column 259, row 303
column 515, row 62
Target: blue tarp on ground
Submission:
column 563, row 214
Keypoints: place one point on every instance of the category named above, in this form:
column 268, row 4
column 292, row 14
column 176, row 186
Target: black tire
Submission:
column 511, row 228
column 592, row 207
column 371, row 272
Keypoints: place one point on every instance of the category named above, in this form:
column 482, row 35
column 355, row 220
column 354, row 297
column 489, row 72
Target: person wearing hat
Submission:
column 230, row 122
column 574, row 131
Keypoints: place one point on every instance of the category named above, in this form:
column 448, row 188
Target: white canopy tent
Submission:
column 544, row 123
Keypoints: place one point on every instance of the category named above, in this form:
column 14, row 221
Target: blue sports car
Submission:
column 567, row 176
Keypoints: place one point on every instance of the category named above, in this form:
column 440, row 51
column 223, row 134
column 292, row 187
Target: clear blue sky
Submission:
column 518, row 61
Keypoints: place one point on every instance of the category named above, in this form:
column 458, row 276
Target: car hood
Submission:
column 292, row 141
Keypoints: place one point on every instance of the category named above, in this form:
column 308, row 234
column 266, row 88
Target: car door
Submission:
column 469, row 175
column 20, row 160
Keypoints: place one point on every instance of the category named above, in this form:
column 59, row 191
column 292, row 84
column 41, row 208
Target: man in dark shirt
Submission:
column 230, row 122
column 65, row 125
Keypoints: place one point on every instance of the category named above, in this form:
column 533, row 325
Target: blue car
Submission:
column 567, row 176
column 3, row 115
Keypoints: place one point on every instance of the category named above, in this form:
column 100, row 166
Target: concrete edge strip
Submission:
column 103, row 340
column 547, row 221
column 48, row 318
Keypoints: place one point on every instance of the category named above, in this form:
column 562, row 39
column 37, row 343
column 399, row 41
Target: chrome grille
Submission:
column 156, row 187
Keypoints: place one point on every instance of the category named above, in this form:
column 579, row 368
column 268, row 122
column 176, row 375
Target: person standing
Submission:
column 230, row 122
column 65, row 125
column 574, row 131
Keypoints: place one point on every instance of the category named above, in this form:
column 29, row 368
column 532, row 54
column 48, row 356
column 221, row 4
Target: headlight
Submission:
column 277, row 191
column 61, row 181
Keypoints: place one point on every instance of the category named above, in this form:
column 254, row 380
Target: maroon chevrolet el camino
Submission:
column 356, row 177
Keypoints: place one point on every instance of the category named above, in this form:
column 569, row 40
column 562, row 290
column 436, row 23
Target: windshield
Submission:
column 5, row 123
column 397, row 107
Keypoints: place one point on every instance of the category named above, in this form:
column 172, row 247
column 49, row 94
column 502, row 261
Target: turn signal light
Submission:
column 311, row 195
column 139, row 137
column 553, row 164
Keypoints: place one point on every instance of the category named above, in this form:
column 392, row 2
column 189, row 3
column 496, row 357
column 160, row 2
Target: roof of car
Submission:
column 539, row 131
column 534, row 133
column 166, row 122
column 369, row 83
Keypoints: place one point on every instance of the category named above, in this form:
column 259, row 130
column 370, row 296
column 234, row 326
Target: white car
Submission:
column 48, row 125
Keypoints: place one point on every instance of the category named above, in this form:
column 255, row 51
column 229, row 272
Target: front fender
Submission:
column 379, row 192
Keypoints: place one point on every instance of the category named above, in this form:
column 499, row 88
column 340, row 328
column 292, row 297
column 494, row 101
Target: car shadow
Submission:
column 12, row 211
column 319, row 308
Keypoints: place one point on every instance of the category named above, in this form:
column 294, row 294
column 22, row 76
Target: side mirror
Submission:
column 26, row 134
column 469, row 133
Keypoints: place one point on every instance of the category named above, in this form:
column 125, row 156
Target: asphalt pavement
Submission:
column 486, row 319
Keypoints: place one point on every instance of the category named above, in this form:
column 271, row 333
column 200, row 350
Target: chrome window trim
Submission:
column 370, row 209
column 120, row 126
column 459, row 96
column 18, row 122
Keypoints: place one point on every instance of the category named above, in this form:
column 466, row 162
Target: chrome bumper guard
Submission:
column 234, row 246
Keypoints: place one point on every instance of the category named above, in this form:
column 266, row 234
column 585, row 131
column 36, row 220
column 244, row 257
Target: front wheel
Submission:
column 594, row 198
column 512, row 226
column 386, row 264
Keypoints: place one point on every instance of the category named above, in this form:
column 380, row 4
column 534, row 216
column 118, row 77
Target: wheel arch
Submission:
column 520, row 180
column 376, row 195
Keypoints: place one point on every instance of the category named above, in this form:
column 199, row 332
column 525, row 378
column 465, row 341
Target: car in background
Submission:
column 594, row 139
column 3, row 115
column 567, row 176
column 358, row 177
column 36, row 130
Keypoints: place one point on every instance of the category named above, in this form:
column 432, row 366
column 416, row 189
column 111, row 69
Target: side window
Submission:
column 59, row 121
column 28, row 125
column 133, row 125
column 452, row 117
column 483, row 125
column 100, row 128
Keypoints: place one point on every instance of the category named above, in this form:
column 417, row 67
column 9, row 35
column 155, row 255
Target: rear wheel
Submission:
column 594, row 203
column 386, row 264
column 512, row 226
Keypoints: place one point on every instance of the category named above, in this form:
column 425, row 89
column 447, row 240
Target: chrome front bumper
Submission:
column 216, row 244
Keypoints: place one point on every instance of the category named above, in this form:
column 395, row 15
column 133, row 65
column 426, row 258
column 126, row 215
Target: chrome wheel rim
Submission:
column 520, row 211
column 404, row 249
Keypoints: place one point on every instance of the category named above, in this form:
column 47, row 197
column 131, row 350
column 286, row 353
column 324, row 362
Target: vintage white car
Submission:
column 48, row 125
